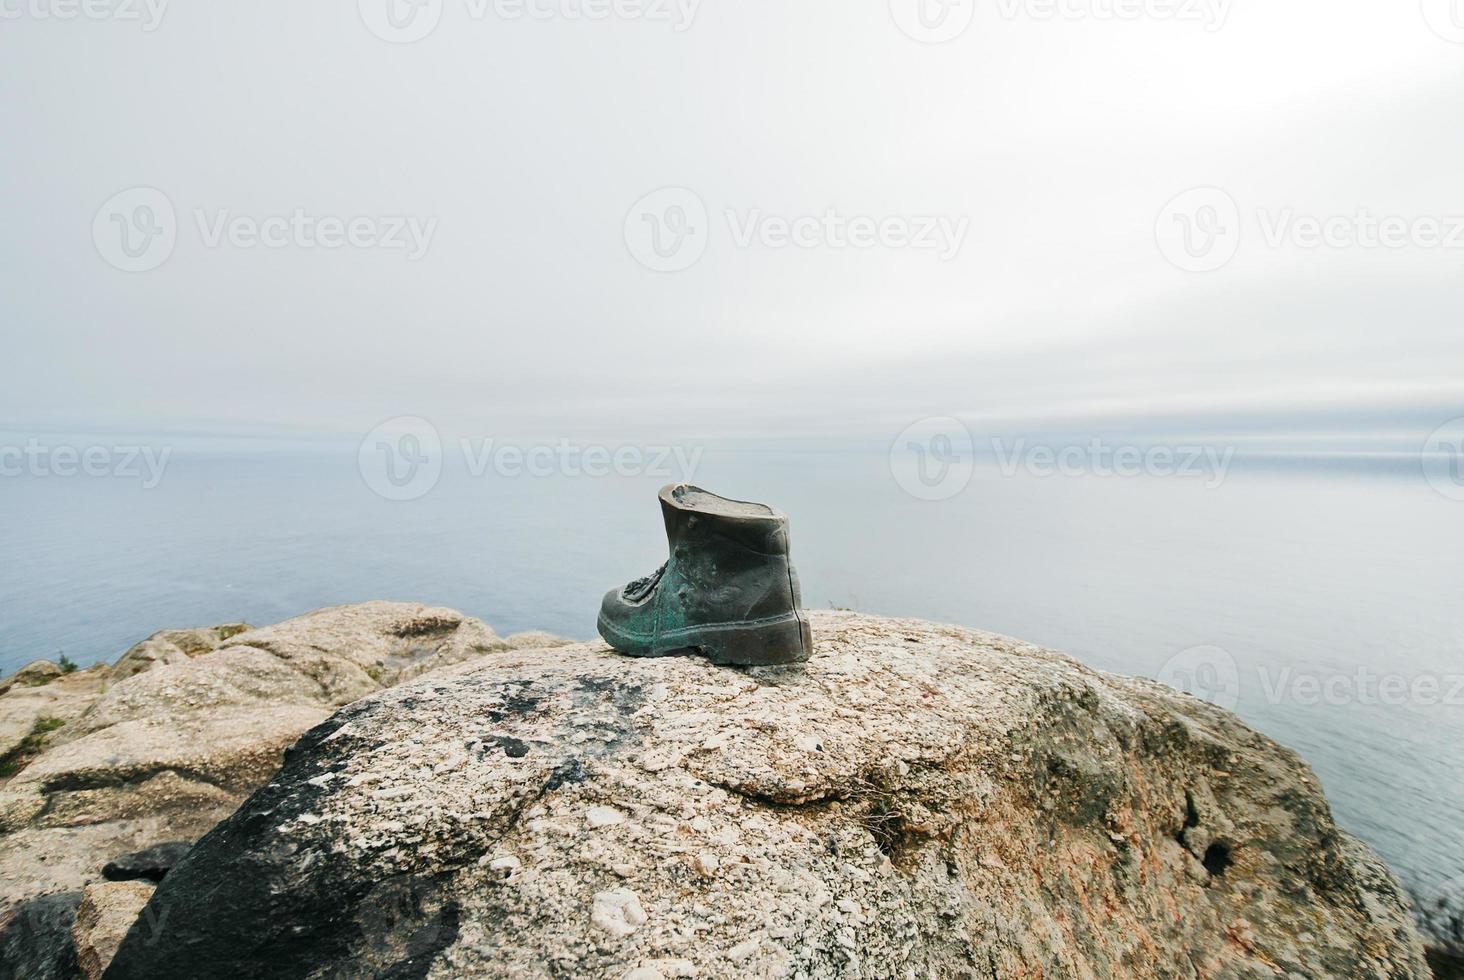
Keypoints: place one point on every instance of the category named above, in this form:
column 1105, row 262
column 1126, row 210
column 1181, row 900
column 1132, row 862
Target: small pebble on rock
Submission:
column 604, row 816
column 617, row 911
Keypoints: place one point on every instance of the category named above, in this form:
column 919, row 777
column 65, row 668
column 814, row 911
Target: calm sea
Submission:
column 1324, row 597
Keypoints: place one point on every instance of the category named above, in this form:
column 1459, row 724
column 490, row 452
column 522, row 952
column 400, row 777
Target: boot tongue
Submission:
column 642, row 587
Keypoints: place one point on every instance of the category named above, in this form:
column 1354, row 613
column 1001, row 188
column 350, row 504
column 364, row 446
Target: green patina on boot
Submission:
column 728, row 590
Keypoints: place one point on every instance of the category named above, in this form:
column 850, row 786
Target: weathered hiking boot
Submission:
column 728, row 590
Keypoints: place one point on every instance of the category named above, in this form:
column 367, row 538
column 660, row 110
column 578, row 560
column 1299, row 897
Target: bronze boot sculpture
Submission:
column 728, row 589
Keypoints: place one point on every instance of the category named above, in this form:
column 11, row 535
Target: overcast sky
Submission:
column 504, row 278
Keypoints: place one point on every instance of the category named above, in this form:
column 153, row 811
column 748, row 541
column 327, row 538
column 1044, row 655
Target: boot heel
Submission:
column 785, row 642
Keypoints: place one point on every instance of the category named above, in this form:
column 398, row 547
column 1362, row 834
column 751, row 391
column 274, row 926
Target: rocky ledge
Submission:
column 108, row 774
column 916, row 801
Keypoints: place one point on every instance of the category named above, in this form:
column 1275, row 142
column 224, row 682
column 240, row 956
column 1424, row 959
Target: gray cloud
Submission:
column 529, row 141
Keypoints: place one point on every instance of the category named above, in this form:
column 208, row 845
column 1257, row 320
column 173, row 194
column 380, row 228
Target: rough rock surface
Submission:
column 35, row 938
column 916, row 801
column 173, row 647
column 106, row 912
column 166, row 742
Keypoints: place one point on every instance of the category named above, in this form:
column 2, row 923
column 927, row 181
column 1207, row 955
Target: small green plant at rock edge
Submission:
column 19, row 757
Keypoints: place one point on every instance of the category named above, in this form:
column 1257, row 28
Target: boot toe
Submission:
column 618, row 624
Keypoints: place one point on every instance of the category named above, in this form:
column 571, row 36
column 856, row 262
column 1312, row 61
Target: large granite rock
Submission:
column 170, row 739
column 916, row 801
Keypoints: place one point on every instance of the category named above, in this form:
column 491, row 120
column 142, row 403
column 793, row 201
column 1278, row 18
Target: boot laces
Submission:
column 642, row 587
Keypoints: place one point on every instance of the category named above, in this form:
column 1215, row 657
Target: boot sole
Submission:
column 756, row 643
